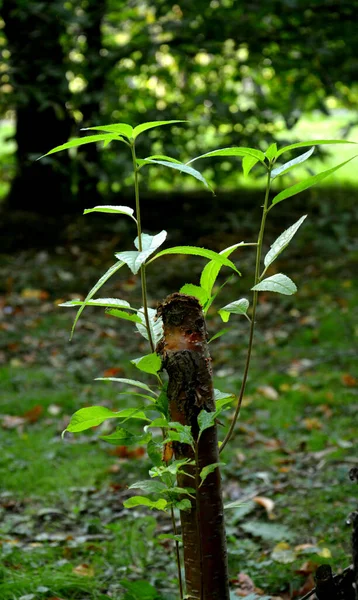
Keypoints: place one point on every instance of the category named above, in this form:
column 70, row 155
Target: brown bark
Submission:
column 187, row 361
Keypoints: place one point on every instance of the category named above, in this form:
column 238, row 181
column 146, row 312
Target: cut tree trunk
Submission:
column 187, row 361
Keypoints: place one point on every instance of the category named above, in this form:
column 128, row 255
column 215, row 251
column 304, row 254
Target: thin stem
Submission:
column 254, row 306
column 177, row 554
column 198, row 522
column 140, row 247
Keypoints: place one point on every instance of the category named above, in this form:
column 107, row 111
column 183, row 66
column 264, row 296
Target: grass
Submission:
column 63, row 530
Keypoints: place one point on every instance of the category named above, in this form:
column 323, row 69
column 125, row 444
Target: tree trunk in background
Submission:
column 38, row 76
column 186, row 359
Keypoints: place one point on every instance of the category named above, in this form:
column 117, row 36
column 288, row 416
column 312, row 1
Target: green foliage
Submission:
column 278, row 283
column 151, row 363
column 282, row 242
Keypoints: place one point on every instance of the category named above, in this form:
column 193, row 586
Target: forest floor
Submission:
column 64, row 533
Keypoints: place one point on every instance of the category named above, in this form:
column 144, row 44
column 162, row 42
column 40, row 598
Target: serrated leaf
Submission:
column 218, row 395
column 178, row 166
column 206, row 420
column 133, row 382
column 209, row 469
column 135, row 501
column 155, row 325
column 184, row 504
column 308, row 183
column 311, row 143
column 121, row 314
column 150, row 243
column 239, row 307
column 248, row 162
column 91, row 416
column 173, row 468
column 180, row 433
column 211, row 270
column 151, row 363
column 276, row 283
column 231, row 152
column 267, row 531
column 118, row 128
column 196, row 291
column 122, row 437
column 105, row 302
column 195, row 251
column 282, row 242
column 291, row 163
column 218, row 334
column 149, row 486
column 108, row 208
column 145, row 126
column 113, row 269
column 90, row 139
column 271, row 151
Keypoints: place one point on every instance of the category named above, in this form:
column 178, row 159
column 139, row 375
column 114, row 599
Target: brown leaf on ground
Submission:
column 349, row 381
column 33, row 415
column 267, row 503
column 83, row 570
column 267, row 391
column 246, row 586
column 12, row 422
column 112, row 372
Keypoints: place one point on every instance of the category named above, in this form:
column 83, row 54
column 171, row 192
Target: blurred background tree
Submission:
column 243, row 73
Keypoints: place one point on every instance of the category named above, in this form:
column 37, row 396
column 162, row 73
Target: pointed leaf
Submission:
column 178, row 166
column 133, row 382
column 239, row 307
column 106, row 302
column 143, row 501
column 134, row 260
column 307, row 183
column 277, row 283
column 118, row 128
column 196, row 291
column 91, row 416
column 248, row 162
column 206, row 420
column 195, row 251
column 211, row 270
column 113, row 269
column 271, row 151
column 209, row 469
column 148, row 486
column 155, row 325
column 122, row 437
column 218, row 334
column 151, row 242
column 311, row 143
column 151, row 363
column 232, row 152
column 282, row 242
column 80, row 142
column 145, row 126
column 291, row 163
column 163, row 157
column 184, row 504
column 107, row 208
column 121, row 314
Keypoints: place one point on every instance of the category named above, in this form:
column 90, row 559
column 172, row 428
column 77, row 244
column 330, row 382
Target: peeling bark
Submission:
column 186, row 358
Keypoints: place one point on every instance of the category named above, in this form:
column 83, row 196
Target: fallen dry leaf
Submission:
column 267, row 503
column 267, row 391
column 246, row 586
column 83, row 570
column 312, row 423
column 349, row 381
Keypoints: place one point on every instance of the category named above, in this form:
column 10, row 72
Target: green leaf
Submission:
column 150, row 243
column 179, row 491
column 151, row 363
column 194, row 250
column 240, row 504
column 162, row 403
column 218, row 334
column 282, row 242
column 277, row 283
column 158, row 422
column 135, row 501
column 308, row 183
column 232, row 152
column 170, row 536
column 145, row 126
column 118, row 128
column 155, row 325
column 80, row 142
column 91, row 416
column 267, row 531
column 173, row 468
column 154, row 451
column 149, row 486
column 184, row 504
column 206, row 420
column 211, row 270
column 271, row 151
column 178, row 166
column 239, row 307
column 291, row 163
column 121, row 314
column 106, row 302
column 163, row 157
column 113, row 269
column 218, row 395
column 180, row 433
column 108, row 208
column 139, row 590
column 196, row 291
column 311, row 143
column 248, row 162
column 133, row 382
column 209, row 469
column 122, row 437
